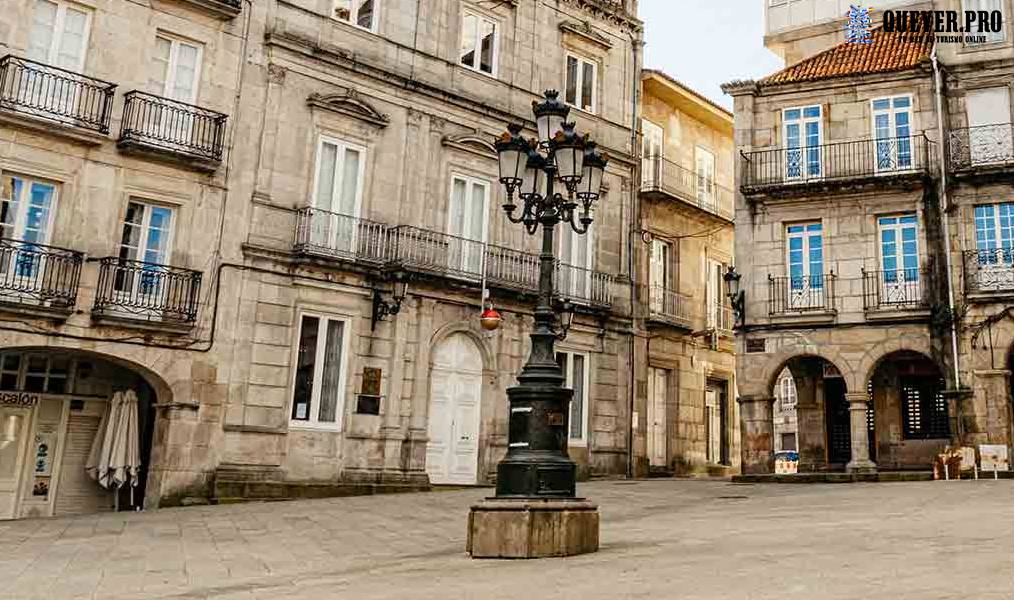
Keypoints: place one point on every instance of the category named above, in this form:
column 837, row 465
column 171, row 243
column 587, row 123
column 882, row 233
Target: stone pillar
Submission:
column 986, row 411
column 860, row 463
column 757, row 428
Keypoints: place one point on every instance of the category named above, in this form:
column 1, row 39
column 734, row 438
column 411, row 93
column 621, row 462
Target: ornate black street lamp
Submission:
column 537, row 465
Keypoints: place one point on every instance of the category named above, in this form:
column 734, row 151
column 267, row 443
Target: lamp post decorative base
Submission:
column 533, row 528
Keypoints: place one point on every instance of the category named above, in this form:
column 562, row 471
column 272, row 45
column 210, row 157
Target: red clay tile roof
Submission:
column 889, row 51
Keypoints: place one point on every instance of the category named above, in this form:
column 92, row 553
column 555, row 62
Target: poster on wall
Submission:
column 45, row 448
column 993, row 458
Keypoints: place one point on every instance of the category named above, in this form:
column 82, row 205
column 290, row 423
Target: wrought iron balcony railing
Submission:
column 986, row 145
column 38, row 275
column 838, row 161
column 54, row 94
column 583, row 286
column 147, row 291
column 810, row 293
column 668, row 306
column 418, row 249
column 661, row 175
column 721, row 318
column 898, row 289
column 176, row 127
column 335, row 235
column 989, row 271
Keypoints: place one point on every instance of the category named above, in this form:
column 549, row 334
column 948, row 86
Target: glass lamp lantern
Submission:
column 550, row 115
column 512, row 152
column 568, row 149
column 593, row 167
column 534, row 179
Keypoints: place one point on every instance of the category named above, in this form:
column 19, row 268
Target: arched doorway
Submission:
column 813, row 413
column 911, row 417
column 52, row 405
column 452, row 452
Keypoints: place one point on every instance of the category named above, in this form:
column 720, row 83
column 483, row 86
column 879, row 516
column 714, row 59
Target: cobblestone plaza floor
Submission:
column 660, row 539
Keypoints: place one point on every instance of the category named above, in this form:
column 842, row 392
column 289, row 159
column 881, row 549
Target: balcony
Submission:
column 153, row 125
column 583, row 287
column 896, row 290
column 665, row 178
column 721, row 318
column 887, row 161
column 668, row 307
column 39, row 279
column 989, row 272
column 132, row 291
column 985, row 148
column 801, row 295
column 41, row 95
column 222, row 9
column 335, row 236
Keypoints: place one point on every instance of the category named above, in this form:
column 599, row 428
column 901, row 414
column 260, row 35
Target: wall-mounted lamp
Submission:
column 735, row 294
column 382, row 308
column 565, row 313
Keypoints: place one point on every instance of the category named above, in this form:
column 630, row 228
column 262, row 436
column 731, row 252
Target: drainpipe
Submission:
column 635, row 208
column 944, row 210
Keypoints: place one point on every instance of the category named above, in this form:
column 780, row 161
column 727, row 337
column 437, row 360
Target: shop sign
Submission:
column 19, row 399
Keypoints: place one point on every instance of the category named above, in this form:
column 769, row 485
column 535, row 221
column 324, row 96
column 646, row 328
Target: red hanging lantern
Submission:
column 490, row 319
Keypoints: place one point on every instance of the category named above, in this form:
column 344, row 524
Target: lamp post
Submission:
column 537, row 474
column 736, row 295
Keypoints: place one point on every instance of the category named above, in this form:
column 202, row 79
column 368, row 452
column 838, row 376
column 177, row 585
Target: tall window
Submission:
column 467, row 222
column 581, row 83
column 59, row 35
column 478, row 43
column 988, row 6
column 576, row 257
column 660, row 275
column 892, row 130
column 26, row 208
column 715, row 291
column 994, row 241
column 924, row 408
column 989, row 133
column 652, row 152
column 802, row 135
column 176, row 68
column 787, row 393
column 337, row 195
column 318, row 391
column 805, row 265
column 705, row 162
column 147, row 233
column 361, row 13
column 575, row 371
column 899, row 259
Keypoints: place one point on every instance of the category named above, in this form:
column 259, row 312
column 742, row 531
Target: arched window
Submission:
column 787, row 392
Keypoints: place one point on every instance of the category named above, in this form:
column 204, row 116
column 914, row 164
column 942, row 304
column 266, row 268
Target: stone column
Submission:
column 860, row 463
column 757, row 429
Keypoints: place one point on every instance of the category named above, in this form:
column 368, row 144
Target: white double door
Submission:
column 175, row 73
column 452, row 452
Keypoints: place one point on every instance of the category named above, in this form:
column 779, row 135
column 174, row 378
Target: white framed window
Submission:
column 787, row 393
column 805, row 265
column 892, row 132
column 479, row 47
column 339, row 171
column 575, row 271
column 899, row 259
column 176, row 68
column 467, row 222
column 147, row 233
column 802, row 134
column 652, row 153
column 27, row 206
column 582, row 80
column 318, row 391
column 705, row 166
column 59, row 34
column 714, row 286
column 989, row 132
column 989, row 7
column 576, row 373
column 361, row 13
column 660, row 277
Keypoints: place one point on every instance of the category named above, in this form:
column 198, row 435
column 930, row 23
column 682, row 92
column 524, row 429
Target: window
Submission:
column 176, row 66
column 659, row 277
column 652, row 152
column 575, row 372
column 805, row 256
column 576, row 262
column 467, row 223
column 59, row 34
column 787, row 393
column 361, row 13
column 899, row 259
column 989, row 133
column 581, row 74
column 714, row 287
column 37, row 373
column 26, row 208
column 478, row 43
column 994, row 241
column 337, row 195
column 715, row 423
column 924, row 409
column 705, row 162
column 319, row 388
column 147, row 233
column 989, row 6
column 892, row 130
column 802, row 136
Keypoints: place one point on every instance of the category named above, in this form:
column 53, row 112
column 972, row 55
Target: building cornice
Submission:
column 351, row 104
column 586, row 33
column 610, row 11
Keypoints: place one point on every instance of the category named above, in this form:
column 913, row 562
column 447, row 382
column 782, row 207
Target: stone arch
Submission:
column 777, row 362
column 473, row 333
column 876, row 354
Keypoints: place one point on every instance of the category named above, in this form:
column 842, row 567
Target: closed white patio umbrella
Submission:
column 115, row 456
column 102, row 446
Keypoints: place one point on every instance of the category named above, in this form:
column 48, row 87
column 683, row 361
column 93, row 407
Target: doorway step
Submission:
column 241, row 483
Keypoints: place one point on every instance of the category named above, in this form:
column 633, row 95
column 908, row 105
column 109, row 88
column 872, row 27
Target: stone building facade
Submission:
column 299, row 206
column 864, row 269
column 690, row 420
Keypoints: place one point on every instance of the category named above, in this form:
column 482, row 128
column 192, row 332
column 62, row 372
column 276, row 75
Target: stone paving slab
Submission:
column 660, row 539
